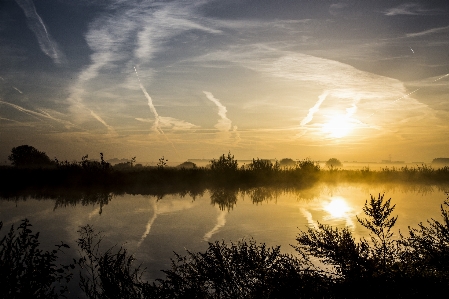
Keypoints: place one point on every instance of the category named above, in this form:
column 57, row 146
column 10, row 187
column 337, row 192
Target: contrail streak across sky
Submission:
column 156, row 115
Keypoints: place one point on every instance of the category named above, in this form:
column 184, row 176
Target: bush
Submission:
column 224, row 164
column 242, row 270
column 27, row 271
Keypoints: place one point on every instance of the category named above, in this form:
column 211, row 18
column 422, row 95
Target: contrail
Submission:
column 224, row 124
column 17, row 89
column 97, row 117
column 314, row 109
column 150, row 104
column 156, row 115
column 35, row 114
column 412, row 92
column 36, row 24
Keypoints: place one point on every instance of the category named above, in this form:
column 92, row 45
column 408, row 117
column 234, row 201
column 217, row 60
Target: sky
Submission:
column 356, row 80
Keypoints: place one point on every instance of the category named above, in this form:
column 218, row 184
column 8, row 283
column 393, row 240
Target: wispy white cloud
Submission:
column 97, row 117
column 224, row 124
column 428, row 32
column 38, row 115
column 314, row 109
column 170, row 123
column 17, row 89
column 407, row 9
column 346, row 91
column 129, row 35
column 37, row 25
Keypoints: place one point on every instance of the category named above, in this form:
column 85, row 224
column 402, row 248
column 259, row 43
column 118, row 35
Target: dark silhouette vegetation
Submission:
column 440, row 161
column 33, row 170
column 26, row 156
column 414, row 265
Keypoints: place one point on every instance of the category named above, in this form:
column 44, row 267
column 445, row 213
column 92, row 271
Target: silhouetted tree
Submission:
column 224, row 163
column 287, row 162
column 333, row 162
column 28, row 156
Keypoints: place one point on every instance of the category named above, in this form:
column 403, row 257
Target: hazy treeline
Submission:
column 414, row 265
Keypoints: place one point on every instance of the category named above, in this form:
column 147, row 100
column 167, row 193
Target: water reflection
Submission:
column 224, row 198
column 155, row 224
column 221, row 221
column 338, row 208
column 160, row 207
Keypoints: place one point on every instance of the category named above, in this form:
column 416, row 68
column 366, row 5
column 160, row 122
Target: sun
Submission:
column 338, row 126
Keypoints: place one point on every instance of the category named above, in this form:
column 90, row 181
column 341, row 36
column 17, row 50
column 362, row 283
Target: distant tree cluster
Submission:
column 333, row 163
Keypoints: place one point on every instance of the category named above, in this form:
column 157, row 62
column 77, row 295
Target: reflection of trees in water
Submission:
column 224, row 198
column 261, row 194
column 93, row 198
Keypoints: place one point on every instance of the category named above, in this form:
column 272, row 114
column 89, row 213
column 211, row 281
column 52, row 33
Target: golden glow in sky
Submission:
column 355, row 80
column 338, row 126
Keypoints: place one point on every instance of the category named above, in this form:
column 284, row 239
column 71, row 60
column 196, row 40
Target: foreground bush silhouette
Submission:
column 242, row 270
column 27, row 271
column 388, row 268
column 110, row 274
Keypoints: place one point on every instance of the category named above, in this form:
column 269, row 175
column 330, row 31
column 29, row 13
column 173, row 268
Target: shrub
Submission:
column 26, row 271
column 260, row 165
column 110, row 274
column 242, row 270
column 224, row 164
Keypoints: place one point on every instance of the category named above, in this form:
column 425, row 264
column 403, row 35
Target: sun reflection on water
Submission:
column 339, row 209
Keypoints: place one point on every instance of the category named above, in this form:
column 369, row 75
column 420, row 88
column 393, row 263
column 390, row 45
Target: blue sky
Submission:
column 356, row 80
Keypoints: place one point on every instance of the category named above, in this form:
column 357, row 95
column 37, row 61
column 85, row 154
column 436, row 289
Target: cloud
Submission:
column 130, row 34
column 224, row 123
column 336, row 8
column 36, row 24
column 428, row 32
column 17, row 89
column 97, row 117
column 341, row 89
column 170, row 122
column 407, row 9
column 38, row 115
column 314, row 109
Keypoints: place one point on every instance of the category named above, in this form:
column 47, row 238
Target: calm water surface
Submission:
column 153, row 228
